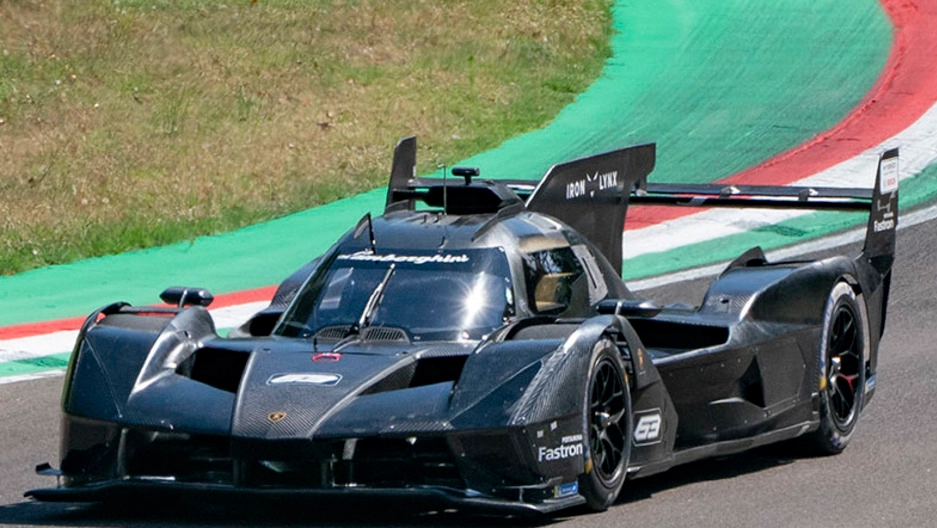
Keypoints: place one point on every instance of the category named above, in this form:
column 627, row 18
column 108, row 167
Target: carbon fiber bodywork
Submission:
column 504, row 405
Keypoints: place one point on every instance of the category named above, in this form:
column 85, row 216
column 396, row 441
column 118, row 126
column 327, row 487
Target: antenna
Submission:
column 445, row 204
column 371, row 235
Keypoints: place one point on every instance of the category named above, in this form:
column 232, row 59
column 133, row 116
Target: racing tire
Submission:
column 844, row 348
column 607, row 426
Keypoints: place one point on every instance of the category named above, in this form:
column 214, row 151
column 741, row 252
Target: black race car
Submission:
column 476, row 345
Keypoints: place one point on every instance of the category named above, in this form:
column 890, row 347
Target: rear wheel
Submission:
column 608, row 427
column 843, row 352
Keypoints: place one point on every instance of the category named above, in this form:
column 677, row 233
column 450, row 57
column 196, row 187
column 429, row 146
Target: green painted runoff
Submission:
column 719, row 84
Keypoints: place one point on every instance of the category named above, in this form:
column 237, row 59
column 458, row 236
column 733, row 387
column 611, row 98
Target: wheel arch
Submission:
column 558, row 387
column 797, row 294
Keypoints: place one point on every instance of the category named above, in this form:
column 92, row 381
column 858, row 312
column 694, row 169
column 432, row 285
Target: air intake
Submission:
column 383, row 333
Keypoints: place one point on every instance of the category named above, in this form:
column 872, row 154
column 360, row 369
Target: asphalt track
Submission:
column 887, row 477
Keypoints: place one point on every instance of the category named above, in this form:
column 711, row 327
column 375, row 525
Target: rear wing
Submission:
column 880, row 201
column 592, row 195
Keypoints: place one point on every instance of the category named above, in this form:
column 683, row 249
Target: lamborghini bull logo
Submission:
column 276, row 416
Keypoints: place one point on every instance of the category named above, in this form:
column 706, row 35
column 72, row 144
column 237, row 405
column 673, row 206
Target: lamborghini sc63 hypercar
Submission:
column 475, row 345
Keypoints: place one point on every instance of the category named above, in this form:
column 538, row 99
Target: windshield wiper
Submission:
column 374, row 300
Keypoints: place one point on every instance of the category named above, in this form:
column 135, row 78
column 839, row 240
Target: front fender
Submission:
column 558, row 387
column 538, row 376
column 494, row 377
column 123, row 370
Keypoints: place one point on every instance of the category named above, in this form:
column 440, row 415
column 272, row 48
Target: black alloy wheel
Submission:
column 608, row 421
column 842, row 354
column 607, row 427
column 844, row 366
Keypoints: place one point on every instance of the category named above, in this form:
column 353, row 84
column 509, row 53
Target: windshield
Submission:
column 463, row 295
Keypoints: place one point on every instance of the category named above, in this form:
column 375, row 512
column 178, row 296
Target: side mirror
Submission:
column 182, row 296
column 629, row 307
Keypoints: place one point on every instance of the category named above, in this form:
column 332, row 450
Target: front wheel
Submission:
column 843, row 352
column 607, row 427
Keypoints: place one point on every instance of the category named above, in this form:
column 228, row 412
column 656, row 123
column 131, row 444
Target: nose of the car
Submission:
column 284, row 395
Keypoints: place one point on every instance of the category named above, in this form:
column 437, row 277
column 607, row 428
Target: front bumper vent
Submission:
column 370, row 463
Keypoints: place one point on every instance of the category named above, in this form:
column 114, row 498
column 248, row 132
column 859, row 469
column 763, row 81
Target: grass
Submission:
column 131, row 123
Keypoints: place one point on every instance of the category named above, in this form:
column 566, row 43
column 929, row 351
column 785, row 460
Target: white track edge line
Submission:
column 913, row 218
